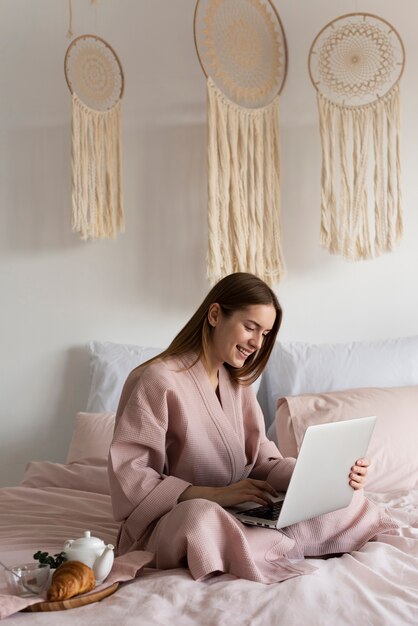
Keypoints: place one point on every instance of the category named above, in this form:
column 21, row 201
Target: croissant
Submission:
column 70, row 579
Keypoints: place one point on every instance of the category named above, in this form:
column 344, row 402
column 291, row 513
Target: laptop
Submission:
column 319, row 483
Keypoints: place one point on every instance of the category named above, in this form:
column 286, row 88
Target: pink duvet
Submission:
column 375, row 585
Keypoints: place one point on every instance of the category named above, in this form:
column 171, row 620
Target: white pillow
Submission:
column 110, row 364
column 296, row 368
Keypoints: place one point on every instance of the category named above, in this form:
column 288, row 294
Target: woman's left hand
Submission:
column 358, row 473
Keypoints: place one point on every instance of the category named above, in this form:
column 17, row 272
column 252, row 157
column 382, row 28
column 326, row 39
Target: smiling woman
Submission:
column 236, row 298
column 189, row 441
column 236, row 336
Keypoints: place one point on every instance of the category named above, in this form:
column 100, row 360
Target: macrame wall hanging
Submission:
column 95, row 78
column 242, row 50
column 355, row 64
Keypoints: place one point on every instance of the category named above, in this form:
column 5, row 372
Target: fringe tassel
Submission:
column 97, row 211
column 361, row 204
column 244, row 189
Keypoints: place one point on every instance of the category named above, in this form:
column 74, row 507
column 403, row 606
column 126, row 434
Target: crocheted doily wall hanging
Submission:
column 355, row 64
column 242, row 49
column 95, row 78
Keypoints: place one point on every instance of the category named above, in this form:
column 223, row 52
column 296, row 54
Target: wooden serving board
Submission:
column 72, row 603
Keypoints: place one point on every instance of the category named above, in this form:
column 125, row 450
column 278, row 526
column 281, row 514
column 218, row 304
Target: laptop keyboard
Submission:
column 267, row 512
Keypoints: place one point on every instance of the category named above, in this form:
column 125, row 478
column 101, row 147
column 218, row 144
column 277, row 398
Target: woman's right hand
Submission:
column 247, row 490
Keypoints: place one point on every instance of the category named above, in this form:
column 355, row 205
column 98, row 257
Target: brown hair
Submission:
column 233, row 293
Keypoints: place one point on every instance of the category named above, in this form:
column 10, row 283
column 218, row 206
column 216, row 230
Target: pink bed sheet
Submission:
column 376, row 585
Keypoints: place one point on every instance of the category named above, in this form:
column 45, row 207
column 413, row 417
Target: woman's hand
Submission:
column 247, row 490
column 358, row 473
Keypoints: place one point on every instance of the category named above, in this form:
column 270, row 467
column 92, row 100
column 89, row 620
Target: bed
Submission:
column 303, row 384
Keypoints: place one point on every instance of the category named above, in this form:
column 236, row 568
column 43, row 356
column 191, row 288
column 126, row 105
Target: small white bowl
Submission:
column 29, row 579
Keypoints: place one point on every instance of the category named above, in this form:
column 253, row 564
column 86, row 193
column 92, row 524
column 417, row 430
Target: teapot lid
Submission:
column 87, row 541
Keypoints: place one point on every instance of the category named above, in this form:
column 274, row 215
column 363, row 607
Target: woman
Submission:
column 189, row 441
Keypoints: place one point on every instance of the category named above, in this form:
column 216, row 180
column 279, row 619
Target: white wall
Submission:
column 59, row 292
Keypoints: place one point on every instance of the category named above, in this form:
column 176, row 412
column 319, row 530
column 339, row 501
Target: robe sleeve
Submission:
column 269, row 464
column 139, row 488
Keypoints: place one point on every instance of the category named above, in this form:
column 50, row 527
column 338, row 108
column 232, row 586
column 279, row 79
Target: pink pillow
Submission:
column 393, row 448
column 92, row 478
column 91, row 439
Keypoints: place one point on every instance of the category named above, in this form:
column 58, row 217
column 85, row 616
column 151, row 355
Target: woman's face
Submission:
column 236, row 337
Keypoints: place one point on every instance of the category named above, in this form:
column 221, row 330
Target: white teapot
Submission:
column 93, row 552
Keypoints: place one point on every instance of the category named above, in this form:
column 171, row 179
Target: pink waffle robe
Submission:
column 172, row 431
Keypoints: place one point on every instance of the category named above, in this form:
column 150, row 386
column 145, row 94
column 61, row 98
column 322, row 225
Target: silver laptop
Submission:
column 319, row 482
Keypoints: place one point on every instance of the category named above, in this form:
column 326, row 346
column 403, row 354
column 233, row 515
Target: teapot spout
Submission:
column 103, row 563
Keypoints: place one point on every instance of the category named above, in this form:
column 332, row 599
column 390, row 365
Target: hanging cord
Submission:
column 70, row 20
column 70, row 32
column 95, row 3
